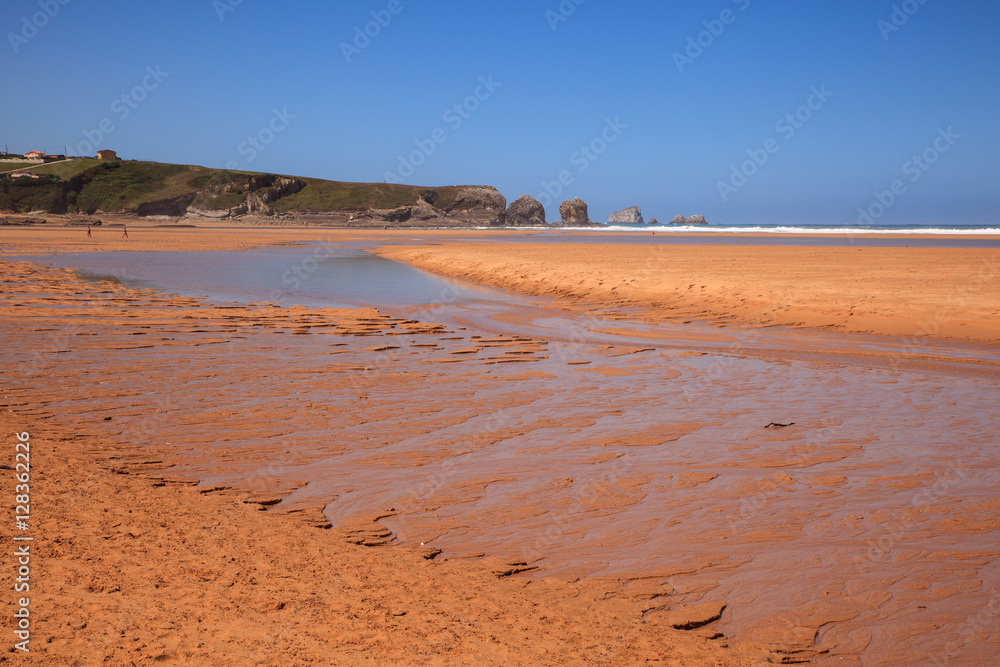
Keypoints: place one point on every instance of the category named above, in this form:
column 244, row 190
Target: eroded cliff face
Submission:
column 240, row 195
column 461, row 206
column 174, row 207
column 479, row 199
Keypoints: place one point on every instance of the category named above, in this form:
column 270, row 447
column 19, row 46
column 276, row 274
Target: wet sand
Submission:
column 634, row 484
column 144, row 236
column 125, row 392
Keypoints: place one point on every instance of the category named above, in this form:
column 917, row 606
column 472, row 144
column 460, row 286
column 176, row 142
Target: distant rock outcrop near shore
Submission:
column 22, row 221
column 653, row 221
column 525, row 212
column 627, row 216
column 692, row 220
column 573, row 213
column 453, row 206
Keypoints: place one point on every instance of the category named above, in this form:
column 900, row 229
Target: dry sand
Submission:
column 936, row 292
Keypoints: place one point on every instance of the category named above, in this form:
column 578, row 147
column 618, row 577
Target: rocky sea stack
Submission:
column 627, row 216
column 573, row 213
column 525, row 212
column 692, row 220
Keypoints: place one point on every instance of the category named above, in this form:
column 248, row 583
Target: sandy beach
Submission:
column 349, row 486
column 559, row 334
column 916, row 292
column 921, row 292
column 138, row 564
column 131, row 568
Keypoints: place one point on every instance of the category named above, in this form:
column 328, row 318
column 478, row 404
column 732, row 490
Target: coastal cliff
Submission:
column 171, row 192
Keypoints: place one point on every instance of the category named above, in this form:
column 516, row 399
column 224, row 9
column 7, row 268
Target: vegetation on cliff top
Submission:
column 319, row 195
column 95, row 186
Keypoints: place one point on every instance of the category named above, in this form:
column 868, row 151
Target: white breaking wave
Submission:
column 847, row 231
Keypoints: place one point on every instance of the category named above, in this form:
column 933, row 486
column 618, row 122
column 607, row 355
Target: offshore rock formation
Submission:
column 692, row 220
column 573, row 213
column 627, row 216
column 525, row 212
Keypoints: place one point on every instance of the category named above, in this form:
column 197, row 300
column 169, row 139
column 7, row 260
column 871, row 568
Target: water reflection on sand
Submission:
column 828, row 487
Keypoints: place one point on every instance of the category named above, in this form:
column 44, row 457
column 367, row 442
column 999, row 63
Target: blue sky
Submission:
column 619, row 100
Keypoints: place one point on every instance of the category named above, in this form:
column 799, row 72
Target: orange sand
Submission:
column 937, row 292
column 133, row 564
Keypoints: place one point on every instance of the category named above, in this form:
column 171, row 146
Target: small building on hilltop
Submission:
column 107, row 155
column 34, row 155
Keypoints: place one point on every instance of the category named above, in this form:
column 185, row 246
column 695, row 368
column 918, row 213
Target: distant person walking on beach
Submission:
column 88, row 232
column 124, row 232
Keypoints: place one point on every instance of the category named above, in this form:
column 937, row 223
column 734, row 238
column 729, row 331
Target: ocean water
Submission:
column 801, row 229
